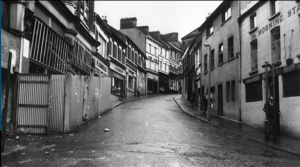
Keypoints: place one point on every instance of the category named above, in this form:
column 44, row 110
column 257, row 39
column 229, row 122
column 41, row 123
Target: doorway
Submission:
column 220, row 100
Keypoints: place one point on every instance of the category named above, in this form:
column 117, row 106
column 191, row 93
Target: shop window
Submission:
column 274, row 7
column 291, row 84
column 130, row 83
column 226, row 14
column 220, row 53
column 254, row 65
column 276, row 45
column 254, row 91
column 117, row 86
column 253, row 21
column 230, row 48
column 212, row 65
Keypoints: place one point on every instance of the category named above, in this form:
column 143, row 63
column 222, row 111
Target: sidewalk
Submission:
column 285, row 143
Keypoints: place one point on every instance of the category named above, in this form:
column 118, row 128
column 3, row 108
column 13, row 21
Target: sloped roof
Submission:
column 120, row 36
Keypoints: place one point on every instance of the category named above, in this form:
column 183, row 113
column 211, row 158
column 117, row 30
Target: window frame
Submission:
column 226, row 14
column 253, row 21
column 221, row 54
column 230, row 48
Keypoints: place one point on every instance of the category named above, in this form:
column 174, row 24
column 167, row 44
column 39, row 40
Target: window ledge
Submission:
column 205, row 72
column 209, row 35
column 274, row 15
column 212, row 68
column 225, row 21
column 220, row 64
column 230, row 59
column 252, row 30
column 254, row 71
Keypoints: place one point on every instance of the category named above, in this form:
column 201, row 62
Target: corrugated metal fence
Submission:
column 33, row 108
column 59, row 103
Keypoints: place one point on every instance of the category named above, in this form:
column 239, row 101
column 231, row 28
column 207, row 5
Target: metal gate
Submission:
column 33, row 104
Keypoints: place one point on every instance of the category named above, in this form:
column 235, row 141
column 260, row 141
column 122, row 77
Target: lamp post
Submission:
column 209, row 76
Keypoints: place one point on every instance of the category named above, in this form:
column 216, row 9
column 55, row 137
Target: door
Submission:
column 220, row 100
column 33, row 104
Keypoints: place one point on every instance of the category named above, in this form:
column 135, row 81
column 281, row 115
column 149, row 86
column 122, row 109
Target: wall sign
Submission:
column 117, row 69
column 100, row 66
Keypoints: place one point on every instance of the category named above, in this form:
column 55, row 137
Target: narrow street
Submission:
column 148, row 132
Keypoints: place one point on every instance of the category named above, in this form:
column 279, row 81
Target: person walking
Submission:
column 205, row 101
column 269, row 107
column 138, row 92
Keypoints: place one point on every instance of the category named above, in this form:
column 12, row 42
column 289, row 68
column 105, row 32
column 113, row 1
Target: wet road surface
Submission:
column 148, row 132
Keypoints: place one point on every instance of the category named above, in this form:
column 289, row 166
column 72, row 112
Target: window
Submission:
column 291, row 84
column 227, row 91
column 117, row 86
column 230, row 48
column 84, row 12
column 254, row 91
column 276, row 45
column 115, row 51
column 148, row 48
column 226, row 15
column 253, row 21
column 108, row 48
column 212, row 63
column 254, row 55
column 166, row 67
column 130, row 83
column 119, row 54
column 230, row 91
column 220, row 53
column 274, row 7
column 209, row 30
column 205, row 63
column 5, row 13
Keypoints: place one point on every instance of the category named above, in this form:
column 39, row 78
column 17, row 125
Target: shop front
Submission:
column 131, row 83
column 152, row 83
column 118, row 81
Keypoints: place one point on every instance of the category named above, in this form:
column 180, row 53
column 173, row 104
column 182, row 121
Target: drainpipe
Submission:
column 240, row 64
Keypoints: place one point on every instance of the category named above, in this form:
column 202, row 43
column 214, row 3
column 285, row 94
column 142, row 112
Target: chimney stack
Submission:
column 104, row 19
column 171, row 37
column 144, row 29
column 126, row 23
column 155, row 34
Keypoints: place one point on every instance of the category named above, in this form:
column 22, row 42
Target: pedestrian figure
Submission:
column 270, row 106
column 138, row 92
column 205, row 101
column 192, row 99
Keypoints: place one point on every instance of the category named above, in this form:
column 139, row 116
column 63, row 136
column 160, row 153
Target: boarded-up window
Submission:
column 291, row 84
column 254, row 91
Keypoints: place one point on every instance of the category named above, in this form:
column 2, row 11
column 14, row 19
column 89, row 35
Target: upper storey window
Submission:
column 274, row 7
column 84, row 11
column 226, row 14
column 210, row 30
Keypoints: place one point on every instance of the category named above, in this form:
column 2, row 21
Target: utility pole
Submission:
column 267, row 128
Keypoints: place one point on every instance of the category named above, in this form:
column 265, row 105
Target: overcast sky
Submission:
column 164, row 16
